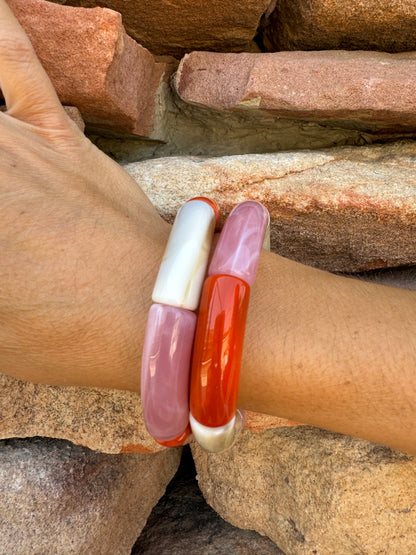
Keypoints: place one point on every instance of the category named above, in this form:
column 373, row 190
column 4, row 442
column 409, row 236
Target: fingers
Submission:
column 27, row 90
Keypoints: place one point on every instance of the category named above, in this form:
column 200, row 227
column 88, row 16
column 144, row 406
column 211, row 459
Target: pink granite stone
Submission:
column 94, row 65
column 165, row 370
column 238, row 249
column 338, row 85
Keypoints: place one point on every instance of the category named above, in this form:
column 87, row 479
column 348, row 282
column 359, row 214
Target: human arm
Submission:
column 331, row 351
column 80, row 245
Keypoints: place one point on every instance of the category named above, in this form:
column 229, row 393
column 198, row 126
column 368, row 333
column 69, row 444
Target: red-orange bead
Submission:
column 178, row 441
column 218, row 349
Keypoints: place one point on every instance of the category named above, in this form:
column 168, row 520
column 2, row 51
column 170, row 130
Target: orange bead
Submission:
column 178, row 441
column 218, row 349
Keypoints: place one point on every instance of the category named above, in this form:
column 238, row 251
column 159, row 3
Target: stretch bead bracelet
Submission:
column 171, row 323
column 219, row 335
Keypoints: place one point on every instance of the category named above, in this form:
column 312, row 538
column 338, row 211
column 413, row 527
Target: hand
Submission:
column 79, row 240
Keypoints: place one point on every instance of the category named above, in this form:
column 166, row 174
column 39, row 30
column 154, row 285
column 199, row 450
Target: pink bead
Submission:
column 238, row 250
column 165, row 370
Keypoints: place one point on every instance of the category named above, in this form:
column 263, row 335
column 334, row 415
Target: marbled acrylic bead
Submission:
column 185, row 260
column 166, row 362
column 238, row 250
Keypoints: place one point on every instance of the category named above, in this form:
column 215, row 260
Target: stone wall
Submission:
column 307, row 106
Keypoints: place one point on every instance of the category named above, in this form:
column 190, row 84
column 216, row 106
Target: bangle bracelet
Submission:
column 171, row 323
column 219, row 335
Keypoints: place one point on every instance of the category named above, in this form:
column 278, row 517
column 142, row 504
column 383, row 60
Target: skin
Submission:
column 80, row 245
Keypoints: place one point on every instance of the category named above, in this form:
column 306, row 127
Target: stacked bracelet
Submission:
column 171, row 323
column 219, row 335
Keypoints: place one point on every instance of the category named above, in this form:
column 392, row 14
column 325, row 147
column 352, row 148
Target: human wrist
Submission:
column 286, row 300
column 79, row 315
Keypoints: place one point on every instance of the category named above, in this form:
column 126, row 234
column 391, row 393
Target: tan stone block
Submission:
column 182, row 26
column 93, row 64
column 350, row 87
column 104, row 420
column 312, row 491
column 386, row 25
column 345, row 209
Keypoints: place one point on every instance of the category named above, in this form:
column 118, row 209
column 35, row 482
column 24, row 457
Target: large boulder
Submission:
column 105, row 420
column 312, row 491
column 348, row 87
column 56, row 497
column 94, row 65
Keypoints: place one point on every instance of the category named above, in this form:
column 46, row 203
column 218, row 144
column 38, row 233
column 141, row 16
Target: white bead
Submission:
column 213, row 440
column 184, row 263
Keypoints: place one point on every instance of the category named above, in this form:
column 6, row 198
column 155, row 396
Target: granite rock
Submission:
column 182, row 522
column 344, row 209
column 386, row 25
column 312, row 491
column 60, row 498
column 195, row 130
column 182, row 26
column 94, row 65
column 347, row 87
column 105, row 420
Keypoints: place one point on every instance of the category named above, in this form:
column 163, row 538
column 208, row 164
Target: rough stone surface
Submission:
column 343, row 209
column 359, row 87
column 60, row 498
column 312, row 491
column 183, row 523
column 93, row 64
column 182, row 26
column 386, row 25
column 105, row 420
column 193, row 130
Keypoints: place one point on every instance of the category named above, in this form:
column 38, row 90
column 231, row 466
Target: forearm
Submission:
column 81, row 322
column 333, row 352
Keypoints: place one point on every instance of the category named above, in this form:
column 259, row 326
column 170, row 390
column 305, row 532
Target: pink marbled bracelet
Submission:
column 171, row 323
